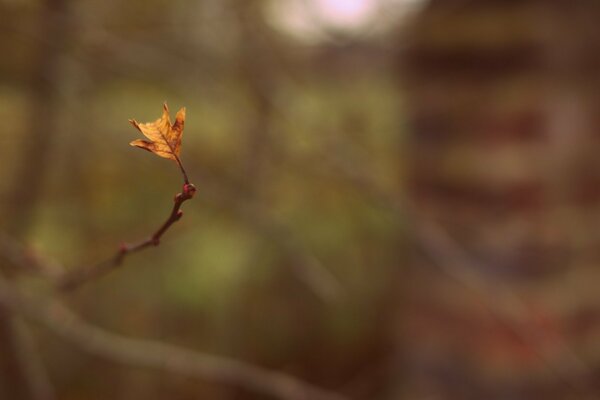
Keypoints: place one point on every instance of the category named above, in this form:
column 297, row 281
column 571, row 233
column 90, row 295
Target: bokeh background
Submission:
column 397, row 199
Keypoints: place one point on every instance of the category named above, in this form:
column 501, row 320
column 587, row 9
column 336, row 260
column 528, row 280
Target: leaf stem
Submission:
column 182, row 169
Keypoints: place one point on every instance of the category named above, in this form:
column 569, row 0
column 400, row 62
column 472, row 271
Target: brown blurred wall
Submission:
column 503, row 99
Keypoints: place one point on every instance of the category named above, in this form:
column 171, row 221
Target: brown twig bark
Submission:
column 73, row 279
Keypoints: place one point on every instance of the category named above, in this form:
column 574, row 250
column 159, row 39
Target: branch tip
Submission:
column 189, row 190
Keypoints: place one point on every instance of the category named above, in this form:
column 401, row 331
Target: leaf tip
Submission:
column 180, row 116
column 143, row 144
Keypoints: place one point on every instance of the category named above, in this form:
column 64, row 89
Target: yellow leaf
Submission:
column 165, row 139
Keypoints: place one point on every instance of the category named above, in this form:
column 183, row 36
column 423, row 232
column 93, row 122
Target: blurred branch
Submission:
column 305, row 265
column 456, row 263
column 501, row 301
column 78, row 277
column 17, row 255
column 156, row 355
column 38, row 382
column 23, row 376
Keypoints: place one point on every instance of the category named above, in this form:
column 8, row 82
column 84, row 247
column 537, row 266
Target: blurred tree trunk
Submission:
column 23, row 375
column 256, row 71
column 42, row 119
column 502, row 106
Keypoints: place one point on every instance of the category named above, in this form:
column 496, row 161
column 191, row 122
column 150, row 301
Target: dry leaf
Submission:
column 165, row 139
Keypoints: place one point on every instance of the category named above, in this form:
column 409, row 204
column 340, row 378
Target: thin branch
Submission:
column 156, row 355
column 73, row 279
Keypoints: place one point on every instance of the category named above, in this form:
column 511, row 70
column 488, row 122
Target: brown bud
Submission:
column 189, row 190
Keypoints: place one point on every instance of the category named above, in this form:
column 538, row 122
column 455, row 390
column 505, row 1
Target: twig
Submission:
column 156, row 355
column 73, row 279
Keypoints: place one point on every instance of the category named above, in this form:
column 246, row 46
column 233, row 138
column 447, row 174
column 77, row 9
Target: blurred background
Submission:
column 397, row 199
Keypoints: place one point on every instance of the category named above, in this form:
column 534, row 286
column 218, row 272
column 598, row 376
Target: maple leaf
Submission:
column 165, row 138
